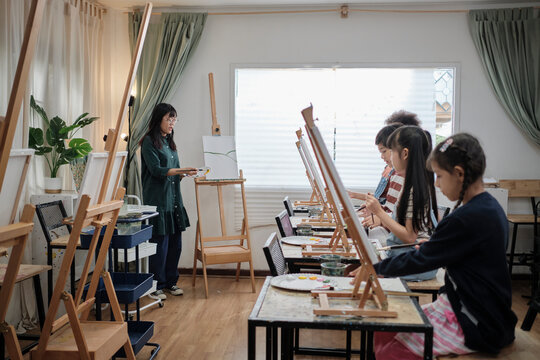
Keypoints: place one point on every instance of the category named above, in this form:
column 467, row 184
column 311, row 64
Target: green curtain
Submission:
column 168, row 47
column 508, row 42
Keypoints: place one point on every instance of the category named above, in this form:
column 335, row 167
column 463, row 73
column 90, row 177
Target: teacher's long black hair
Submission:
column 154, row 128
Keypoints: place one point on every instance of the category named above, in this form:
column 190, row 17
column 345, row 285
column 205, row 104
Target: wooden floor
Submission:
column 192, row 327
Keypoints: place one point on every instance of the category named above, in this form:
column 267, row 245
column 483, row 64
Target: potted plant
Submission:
column 58, row 144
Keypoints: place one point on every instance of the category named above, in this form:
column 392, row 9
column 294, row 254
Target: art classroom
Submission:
column 269, row 179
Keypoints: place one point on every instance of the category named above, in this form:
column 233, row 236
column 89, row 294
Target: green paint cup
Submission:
column 333, row 268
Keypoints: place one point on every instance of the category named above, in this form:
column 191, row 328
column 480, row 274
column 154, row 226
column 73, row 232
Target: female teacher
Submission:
column 161, row 175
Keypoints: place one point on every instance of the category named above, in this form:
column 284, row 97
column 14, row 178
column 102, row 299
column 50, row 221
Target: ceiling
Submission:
column 127, row 4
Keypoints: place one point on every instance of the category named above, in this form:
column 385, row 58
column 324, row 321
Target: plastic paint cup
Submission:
column 333, row 269
column 330, row 258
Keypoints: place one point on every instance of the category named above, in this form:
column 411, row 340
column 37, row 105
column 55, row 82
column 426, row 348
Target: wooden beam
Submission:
column 9, row 124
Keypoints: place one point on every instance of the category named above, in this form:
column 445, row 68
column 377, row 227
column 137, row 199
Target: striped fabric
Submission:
column 394, row 192
column 447, row 334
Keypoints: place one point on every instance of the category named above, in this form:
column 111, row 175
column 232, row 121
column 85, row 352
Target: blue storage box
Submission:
column 119, row 241
column 128, row 287
column 140, row 332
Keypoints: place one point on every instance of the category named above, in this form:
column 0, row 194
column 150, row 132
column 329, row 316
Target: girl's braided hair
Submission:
column 460, row 150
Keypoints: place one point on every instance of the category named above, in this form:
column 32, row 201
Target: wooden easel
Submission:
column 82, row 338
column 372, row 289
column 15, row 235
column 338, row 244
column 223, row 254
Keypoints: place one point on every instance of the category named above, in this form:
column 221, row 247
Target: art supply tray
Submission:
column 140, row 332
column 119, row 241
column 128, row 286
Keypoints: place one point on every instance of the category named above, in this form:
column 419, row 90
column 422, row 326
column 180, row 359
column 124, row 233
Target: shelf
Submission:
column 128, row 287
column 140, row 332
column 119, row 241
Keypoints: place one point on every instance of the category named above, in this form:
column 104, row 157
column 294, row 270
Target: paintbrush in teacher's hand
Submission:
column 397, row 246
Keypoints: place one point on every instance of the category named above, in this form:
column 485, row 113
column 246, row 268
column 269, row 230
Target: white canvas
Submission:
column 93, row 176
column 220, row 157
column 14, row 177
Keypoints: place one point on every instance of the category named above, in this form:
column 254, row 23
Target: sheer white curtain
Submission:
column 66, row 79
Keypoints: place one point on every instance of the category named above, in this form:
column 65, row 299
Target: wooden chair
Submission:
column 211, row 254
column 51, row 217
column 284, row 224
column 13, row 236
column 520, row 189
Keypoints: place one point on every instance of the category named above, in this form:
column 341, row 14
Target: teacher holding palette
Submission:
column 161, row 174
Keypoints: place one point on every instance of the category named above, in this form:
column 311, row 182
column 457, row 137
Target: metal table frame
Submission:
column 287, row 327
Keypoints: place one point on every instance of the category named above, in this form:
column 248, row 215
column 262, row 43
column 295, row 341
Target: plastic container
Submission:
column 328, row 258
column 333, row 269
column 129, row 223
column 304, row 230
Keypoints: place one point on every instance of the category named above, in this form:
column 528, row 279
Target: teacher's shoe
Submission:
column 158, row 295
column 175, row 290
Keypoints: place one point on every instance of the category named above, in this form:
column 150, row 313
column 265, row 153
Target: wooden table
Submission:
column 276, row 308
column 27, row 272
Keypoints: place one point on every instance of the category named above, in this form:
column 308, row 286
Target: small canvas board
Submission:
column 220, row 157
column 93, row 176
column 10, row 195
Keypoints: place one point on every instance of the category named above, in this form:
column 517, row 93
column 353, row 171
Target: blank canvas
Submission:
column 93, row 176
column 220, row 157
column 15, row 170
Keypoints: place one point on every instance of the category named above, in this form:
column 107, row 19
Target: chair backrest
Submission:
column 284, row 224
column 51, row 216
column 288, row 206
column 274, row 255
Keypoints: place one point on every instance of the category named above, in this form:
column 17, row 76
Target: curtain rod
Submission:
column 342, row 10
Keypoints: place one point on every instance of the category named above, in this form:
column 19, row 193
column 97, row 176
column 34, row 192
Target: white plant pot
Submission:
column 53, row 185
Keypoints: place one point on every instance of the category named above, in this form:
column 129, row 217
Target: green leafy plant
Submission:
column 58, row 145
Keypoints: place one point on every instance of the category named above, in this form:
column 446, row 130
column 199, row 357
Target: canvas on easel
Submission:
column 366, row 275
column 220, row 157
column 339, row 243
column 17, row 168
column 325, row 217
column 93, row 176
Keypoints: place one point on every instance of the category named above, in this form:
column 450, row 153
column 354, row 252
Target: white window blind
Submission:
column 351, row 104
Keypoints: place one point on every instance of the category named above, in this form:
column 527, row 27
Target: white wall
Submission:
column 326, row 38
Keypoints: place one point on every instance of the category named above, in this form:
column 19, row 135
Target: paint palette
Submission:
column 304, row 240
column 304, row 282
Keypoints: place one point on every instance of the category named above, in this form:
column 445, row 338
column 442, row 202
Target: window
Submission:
column 351, row 104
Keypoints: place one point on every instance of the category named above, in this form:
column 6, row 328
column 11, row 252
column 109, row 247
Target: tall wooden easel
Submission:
column 14, row 235
column 222, row 254
column 372, row 289
column 83, row 338
column 338, row 244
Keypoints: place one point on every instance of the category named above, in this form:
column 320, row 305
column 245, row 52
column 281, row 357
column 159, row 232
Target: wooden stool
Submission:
column 520, row 189
column 428, row 286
